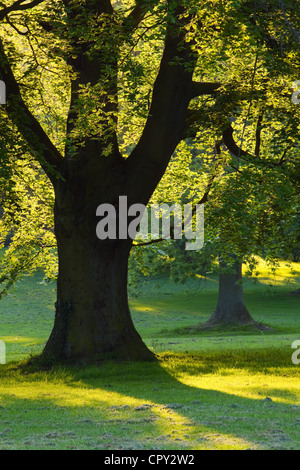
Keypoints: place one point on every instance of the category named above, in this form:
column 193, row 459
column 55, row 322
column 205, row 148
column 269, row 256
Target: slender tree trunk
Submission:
column 231, row 307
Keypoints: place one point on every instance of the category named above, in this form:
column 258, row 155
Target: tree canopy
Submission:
column 100, row 96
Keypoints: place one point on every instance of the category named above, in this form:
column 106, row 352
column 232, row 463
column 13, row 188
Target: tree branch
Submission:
column 171, row 95
column 258, row 135
column 231, row 144
column 138, row 13
column 204, row 88
column 291, row 28
column 149, row 242
column 29, row 127
column 19, row 5
column 238, row 152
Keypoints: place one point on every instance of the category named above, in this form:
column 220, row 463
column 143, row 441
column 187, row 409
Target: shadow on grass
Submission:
column 217, row 416
column 143, row 405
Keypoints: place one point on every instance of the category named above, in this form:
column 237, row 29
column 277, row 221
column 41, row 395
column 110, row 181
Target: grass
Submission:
column 234, row 389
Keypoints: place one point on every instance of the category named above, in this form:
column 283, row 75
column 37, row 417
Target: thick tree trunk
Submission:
column 93, row 319
column 231, row 307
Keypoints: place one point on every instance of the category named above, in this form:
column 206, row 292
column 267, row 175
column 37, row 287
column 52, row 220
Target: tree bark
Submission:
column 93, row 319
column 231, row 307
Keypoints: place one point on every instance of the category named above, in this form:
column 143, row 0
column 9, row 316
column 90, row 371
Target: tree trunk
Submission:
column 93, row 319
column 231, row 307
column 296, row 292
column 92, row 315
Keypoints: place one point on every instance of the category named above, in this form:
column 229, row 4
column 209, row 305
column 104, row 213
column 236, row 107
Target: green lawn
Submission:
column 233, row 389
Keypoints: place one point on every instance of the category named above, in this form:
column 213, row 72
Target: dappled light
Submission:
column 172, row 409
column 149, row 227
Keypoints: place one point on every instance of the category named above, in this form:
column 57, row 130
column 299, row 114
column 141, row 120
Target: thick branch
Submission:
column 204, row 88
column 171, row 95
column 99, row 70
column 195, row 115
column 231, row 144
column 138, row 13
column 29, row 127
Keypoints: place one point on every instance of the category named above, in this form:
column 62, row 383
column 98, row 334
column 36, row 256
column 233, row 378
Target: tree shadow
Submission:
column 205, row 411
column 146, row 405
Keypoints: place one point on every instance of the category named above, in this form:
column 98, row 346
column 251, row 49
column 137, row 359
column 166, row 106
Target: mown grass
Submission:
column 232, row 389
column 194, row 402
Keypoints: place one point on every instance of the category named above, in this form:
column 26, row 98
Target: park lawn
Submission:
column 184, row 402
column 233, row 389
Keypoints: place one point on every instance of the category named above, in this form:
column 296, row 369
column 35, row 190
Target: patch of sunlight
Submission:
column 175, row 427
column 65, row 395
column 281, row 273
column 199, row 436
column 145, row 308
column 222, row 441
column 242, row 384
column 80, row 394
column 207, row 278
column 19, row 339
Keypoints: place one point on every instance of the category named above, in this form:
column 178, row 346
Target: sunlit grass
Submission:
column 222, row 389
column 242, row 384
column 20, row 339
column 196, row 402
column 280, row 273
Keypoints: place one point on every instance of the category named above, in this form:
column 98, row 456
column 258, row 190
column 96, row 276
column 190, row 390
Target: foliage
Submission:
column 251, row 49
column 253, row 201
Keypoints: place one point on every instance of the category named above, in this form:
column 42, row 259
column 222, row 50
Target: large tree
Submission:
column 92, row 50
column 92, row 314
